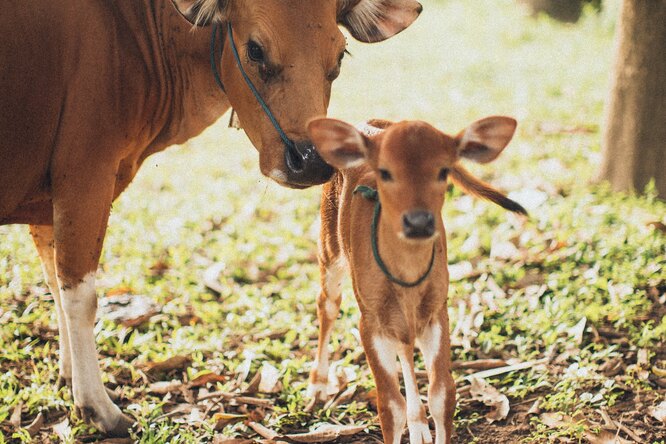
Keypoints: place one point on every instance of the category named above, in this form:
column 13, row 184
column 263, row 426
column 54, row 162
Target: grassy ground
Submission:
column 577, row 291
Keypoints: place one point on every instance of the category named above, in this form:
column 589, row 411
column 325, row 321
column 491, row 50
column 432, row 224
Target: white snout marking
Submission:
column 278, row 176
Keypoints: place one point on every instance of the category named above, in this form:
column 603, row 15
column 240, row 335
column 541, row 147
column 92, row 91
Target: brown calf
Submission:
column 91, row 88
column 402, row 287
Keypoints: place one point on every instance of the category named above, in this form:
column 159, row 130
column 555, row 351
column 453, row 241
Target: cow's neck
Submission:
column 194, row 101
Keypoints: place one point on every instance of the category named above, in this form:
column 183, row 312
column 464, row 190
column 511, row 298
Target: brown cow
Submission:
column 90, row 89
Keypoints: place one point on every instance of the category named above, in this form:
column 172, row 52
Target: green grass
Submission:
column 583, row 253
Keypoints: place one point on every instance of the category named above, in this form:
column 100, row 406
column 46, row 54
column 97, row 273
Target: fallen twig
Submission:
column 505, row 369
column 238, row 398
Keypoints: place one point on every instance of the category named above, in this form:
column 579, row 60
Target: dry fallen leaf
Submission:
column 173, row 363
column 35, row 425
column 326, row 433
column 63, row 430
column 220, row 439
column 204, row 379
column 490, row 396
column 658, row 412
column 15, row 419
column 270, row 379
column 127, row 309
column 657, row 225
column 223, row 419
column 164, row 387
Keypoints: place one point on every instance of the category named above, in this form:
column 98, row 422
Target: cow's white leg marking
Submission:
column 328, row 307
column 419, row 433
column 431, row 345
column 90, row 397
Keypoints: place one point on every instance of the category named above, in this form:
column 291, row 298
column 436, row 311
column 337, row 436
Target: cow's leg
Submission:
column 42, row 235
column 381, row 353
column 435, row 345
column 419, row 432
column 81, row 208
column 328, row 307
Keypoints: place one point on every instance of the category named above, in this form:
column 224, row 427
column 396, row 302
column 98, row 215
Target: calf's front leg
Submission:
column 419, row 432
column 435, row 345
column 381, row 352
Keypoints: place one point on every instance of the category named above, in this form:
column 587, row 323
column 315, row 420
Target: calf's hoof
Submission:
column 419, row 433
column 317, row 392
column 117, row 425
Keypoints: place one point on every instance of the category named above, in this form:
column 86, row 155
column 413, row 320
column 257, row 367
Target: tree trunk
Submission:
column 568, row 11
column 634, row 139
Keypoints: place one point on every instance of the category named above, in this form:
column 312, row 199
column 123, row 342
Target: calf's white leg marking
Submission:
column 332, row 281
column 419, row 433
column 79, row 306
column 430, row 344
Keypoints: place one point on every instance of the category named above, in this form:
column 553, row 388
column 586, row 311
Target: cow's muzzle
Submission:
column 304, row 165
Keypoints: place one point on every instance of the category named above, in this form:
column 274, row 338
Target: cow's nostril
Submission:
column 293, row 159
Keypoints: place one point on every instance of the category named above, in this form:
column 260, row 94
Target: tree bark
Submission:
column 568, row 11
column 634, row 137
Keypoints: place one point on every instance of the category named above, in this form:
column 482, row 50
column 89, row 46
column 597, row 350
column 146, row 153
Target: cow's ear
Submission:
column 202, row 12
column 485, row 139
column 376, row 20
column 338, row 143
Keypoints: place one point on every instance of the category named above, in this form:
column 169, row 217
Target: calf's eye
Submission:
column 385, row 175
column 443, row 174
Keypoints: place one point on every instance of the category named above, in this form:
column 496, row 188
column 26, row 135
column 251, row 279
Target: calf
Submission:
column 396, row 252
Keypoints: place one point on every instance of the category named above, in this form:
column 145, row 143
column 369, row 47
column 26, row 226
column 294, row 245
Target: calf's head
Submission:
column 292, row 51
column 412, row 162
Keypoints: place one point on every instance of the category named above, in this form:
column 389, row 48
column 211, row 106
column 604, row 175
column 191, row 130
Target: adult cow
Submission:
column 90, row 88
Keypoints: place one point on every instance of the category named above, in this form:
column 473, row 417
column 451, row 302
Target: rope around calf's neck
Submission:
column 372, row 195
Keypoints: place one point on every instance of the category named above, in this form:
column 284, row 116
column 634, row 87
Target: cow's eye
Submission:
column 385, row 175
column 254, row 52
column 443, row 174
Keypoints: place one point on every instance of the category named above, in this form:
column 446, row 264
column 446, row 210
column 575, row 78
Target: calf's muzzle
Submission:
column 418, row 224
column 304, row 165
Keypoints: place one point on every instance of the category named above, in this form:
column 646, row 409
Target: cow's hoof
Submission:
column 63, row 381
column 122, row 427
column 118, row 426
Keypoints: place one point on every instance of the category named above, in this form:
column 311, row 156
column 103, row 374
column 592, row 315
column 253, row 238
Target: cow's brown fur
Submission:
column 91, row 88
column 413, row 157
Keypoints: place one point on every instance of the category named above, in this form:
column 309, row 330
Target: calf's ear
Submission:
column 485, row 139
column 338, row 143
column 372, row 21
column 202, row 12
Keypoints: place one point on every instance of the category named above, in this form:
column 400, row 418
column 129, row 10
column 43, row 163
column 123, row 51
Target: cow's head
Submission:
column 292, row 51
